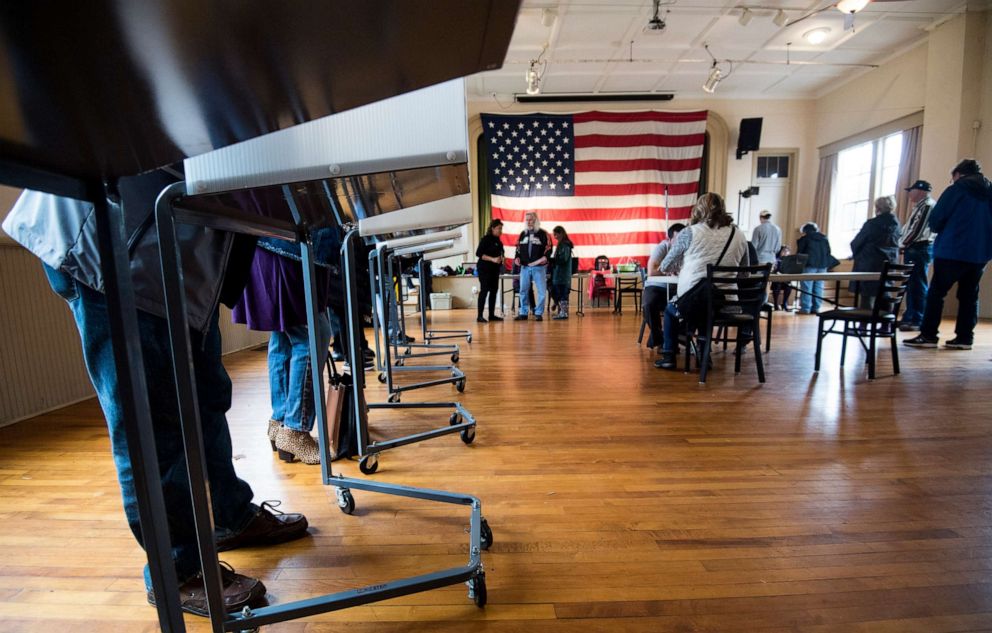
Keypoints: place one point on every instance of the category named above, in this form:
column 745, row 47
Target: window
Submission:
column 773, row 167
column 864, row 172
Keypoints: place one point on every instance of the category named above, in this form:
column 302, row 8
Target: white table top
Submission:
column 781, row 277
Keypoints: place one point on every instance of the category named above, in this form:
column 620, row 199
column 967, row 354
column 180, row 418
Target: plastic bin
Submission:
column 440, row 301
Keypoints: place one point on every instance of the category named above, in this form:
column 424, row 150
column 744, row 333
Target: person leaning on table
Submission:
column 656, row 293
column 62, row 233
column 816, row 247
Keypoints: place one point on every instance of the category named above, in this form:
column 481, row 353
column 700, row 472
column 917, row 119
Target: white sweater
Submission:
column 702, row 246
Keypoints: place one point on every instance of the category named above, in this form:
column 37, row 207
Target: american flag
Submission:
column 601, row 175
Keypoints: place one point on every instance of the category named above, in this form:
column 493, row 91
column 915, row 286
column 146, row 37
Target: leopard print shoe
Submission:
column 273, row 430
column 292, row 445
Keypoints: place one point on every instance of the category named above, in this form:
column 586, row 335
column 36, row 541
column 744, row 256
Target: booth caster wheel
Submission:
column 399, row 362
column 394, row 397
column 485, row 535
column 477, row 589
column 369, row 464
column 468, row 339
column 460, row 385
column 468, row 435
column 454, row 358
column 454, row 418
column 382, row 377
column 345, row 501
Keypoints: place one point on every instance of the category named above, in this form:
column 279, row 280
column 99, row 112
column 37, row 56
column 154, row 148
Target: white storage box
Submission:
column 440, row 301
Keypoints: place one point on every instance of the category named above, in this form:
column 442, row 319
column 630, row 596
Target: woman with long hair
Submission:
column 561, row 272
column 490, row 254
column 711, row 238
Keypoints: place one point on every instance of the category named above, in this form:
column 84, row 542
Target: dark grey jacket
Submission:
column 876, row 243
column 62, row 233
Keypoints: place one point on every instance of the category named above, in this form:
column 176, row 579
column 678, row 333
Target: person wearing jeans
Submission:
column 239, row 522
column 532, row 248
column 917, row 251
column 962, row 220
column 817, row 249
column 291, row 386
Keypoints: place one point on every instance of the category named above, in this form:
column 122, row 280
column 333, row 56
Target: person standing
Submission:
column 561, row 272
column 876, row 243
column 656, row 294
column 962, row 220
column 490, row 254
column 917, row 251
column 532, row 257
column 816, row 247
column 767, row 239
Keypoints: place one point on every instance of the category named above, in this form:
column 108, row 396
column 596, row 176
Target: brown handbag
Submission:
column 336, row 393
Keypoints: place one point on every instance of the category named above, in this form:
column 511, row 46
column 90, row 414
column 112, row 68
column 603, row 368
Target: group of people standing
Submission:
column 536, row 258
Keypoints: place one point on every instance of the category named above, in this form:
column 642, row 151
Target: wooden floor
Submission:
column 622, row 498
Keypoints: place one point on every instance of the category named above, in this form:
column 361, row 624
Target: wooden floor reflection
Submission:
column 623, row 498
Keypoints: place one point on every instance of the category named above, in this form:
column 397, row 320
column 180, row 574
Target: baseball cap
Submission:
column 922, row 185
column 765, row 214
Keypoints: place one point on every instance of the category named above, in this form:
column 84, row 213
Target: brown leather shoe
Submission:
column 268, row 527
column 239, row 592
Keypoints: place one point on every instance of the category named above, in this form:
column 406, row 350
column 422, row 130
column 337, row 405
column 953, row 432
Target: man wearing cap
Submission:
column 767, row 239
column 962, row 220
column 917, row 251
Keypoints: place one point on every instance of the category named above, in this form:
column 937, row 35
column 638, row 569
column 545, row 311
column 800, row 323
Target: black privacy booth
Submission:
column 95, row 91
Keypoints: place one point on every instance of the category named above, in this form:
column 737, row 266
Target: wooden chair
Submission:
column 879, row 321
column 736, row 297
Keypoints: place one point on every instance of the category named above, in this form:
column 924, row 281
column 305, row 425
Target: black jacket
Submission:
column 876, row 243
column 817, row 248
column 533, row 248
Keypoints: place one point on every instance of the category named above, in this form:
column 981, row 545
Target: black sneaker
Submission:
column 957, row 343
column 520, row 317
column 481, row 320
column 922, row 341
column 495, row 318
column 667, row 361
column 538, row 317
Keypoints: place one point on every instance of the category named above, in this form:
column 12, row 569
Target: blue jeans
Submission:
column 918, row 256
column 231, row 497
column 290, row 385
column 670, row 331
column 539, row 276
column 807, row 302
column 946, row 273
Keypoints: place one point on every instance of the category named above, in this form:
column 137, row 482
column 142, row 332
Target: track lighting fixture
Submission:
column 780, row 18
column 716, row 76
column 746, row 17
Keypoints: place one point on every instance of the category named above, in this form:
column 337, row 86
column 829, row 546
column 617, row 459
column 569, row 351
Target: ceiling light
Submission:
column 780, row 18
column 655, row 23
column 851, row 6
column 816, row 36
column 716, row 76
column 746, row 17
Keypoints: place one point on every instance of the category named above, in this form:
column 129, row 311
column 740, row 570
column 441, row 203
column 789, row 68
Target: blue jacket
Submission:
column 962, row 220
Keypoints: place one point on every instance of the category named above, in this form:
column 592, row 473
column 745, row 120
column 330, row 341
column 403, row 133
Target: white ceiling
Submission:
column 602, row 46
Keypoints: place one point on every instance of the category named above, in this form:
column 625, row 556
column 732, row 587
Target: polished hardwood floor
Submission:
column 623, row 498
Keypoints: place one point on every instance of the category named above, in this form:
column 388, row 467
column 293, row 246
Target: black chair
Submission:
column 878, row 322
column 735, row 299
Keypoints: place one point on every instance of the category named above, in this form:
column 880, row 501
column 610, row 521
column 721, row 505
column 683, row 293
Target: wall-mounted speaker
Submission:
column 749, row 139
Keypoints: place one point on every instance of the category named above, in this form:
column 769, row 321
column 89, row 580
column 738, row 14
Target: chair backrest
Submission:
column 575, row 265
column 892, row 285
column 743, row 287
column 602, row 263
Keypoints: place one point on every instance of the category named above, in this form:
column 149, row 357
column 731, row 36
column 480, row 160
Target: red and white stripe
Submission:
column 623, row 160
